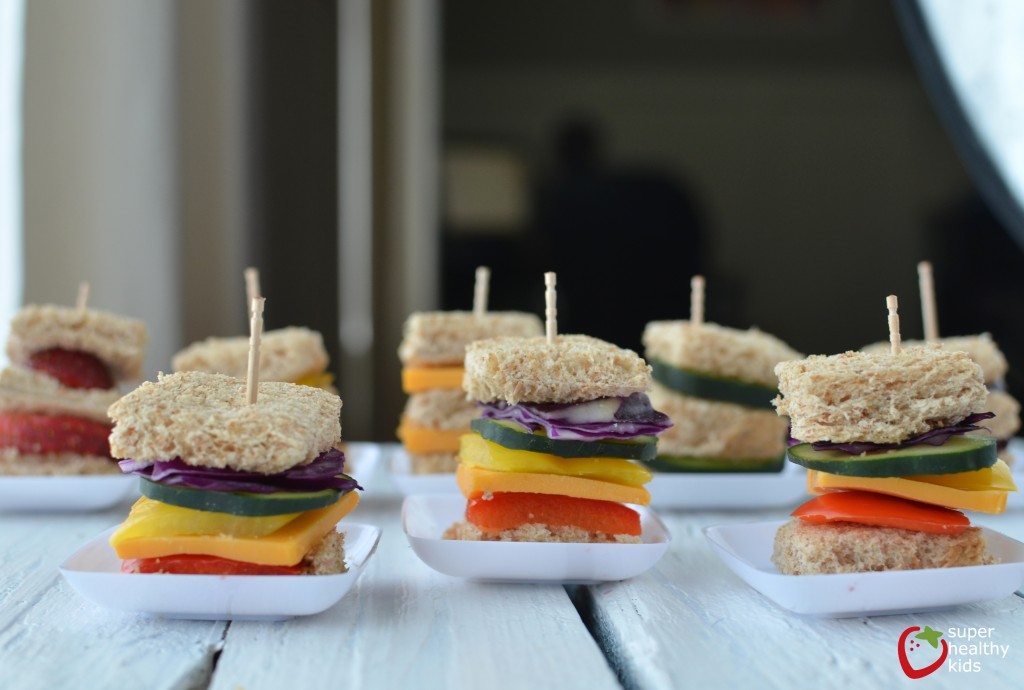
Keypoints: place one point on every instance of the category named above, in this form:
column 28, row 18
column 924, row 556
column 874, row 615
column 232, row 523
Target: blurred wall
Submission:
column 100, row 160
column 810, row 143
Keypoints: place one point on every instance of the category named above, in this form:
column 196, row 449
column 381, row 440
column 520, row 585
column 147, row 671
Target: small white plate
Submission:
column 65, row 493
column 425, row 518
column 728, row 490
column 361, row 460
column 747, row 550
column 400, row 469
column 95, row 571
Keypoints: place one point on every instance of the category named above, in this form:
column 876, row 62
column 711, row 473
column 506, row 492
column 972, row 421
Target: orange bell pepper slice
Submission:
column 879, row 510
column 505, row 511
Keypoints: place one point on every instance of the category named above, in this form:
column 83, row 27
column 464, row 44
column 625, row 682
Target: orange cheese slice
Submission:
column 286, row 546
column 981, row 500
column 420, row 439
column 419, row 379
column 475, row 482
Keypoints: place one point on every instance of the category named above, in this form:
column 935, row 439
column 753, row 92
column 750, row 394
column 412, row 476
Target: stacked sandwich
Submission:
column 231, row 487
column 885, row 440
column 984, row 351
column 716, row 384
column 291, row 355
column 555, row 453
column 432, row 352
column 66, row 365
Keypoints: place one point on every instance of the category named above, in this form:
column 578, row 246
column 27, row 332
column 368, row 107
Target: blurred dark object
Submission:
column 606, row 228
column 978, row 269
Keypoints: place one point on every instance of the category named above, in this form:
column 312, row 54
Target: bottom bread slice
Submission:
column 467, row 531
column 327, row 557
column 13, row 463
column 434, row 463
column 843, row 547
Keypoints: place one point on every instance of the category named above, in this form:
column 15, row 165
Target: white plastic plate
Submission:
column 425, row 518
column 65, row 493
column 400, row 469
column 729, row 490
column 747, row 550
column 94, row 570
column 362, row 460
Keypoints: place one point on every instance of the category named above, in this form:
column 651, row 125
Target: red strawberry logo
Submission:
column 907, row 645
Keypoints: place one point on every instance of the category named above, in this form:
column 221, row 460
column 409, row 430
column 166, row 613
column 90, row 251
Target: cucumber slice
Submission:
column 958, row 454
column 238, row 503
column 675, row 463
column 710, row 387
column 512, row 436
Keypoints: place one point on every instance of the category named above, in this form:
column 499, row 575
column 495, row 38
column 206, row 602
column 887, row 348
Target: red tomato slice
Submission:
column 510, row 510
column 879, row 510
column 188, row 564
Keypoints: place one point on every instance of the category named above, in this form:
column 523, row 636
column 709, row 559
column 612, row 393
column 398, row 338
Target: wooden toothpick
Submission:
column 252, row 287
column 252, row 379
column 480, row 289
column 82, row 300
column 894, row 324
column 929, row 313
column 550, row 311
column 697, row 300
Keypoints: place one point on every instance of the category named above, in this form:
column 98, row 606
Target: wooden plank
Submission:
column 404, row 625
column 692, row 623
column 51, row 637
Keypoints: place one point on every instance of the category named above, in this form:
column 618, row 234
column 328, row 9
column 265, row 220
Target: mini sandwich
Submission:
column 66, row 365
column 885, row 439
column 291, row 355
column 432, row 352
column 717, row 386
column 231, row 487
column 984, row 351
column 556, row 453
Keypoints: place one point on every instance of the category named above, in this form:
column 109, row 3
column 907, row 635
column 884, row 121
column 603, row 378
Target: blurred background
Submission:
column 368, row 155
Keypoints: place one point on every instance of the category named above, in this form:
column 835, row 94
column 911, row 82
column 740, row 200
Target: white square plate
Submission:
column 1015, row 449
column 728, row 490
column 425, row 518
column 747, row 550
column 65, row 493
column 400, row 469
column 95, row 571
column 362, row 460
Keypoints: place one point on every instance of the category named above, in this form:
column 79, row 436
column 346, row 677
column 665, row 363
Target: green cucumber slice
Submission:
column 709, row 387
column 238, row 503
column 511, row 436
column 675, row 463
column 958, row 454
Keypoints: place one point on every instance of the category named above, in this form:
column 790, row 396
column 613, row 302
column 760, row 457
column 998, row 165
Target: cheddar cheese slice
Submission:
column 317, row 379
column 420, row 439
column 981, row 500
column 286, row 546
column 419, row 379
column 475, row 451
column 474, row 482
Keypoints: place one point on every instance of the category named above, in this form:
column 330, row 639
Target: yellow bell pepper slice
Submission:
column 474, row 482
column 476, row 451
column 317, row 379
column 149, row 518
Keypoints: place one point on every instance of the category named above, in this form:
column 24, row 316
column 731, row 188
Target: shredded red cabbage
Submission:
column 323, row 473
column 618, row 418
column 935, row 437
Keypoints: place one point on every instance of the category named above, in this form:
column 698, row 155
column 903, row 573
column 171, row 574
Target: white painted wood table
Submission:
column 688, row 623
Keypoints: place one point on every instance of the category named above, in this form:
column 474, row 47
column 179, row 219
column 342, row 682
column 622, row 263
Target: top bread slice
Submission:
column 574, row 368
column 708, row 348
column 118, row 341
column 24, row 390
column 205, row 420
column 439, row 338
column 981, row 348
column 878, row 398
column 286, row 354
